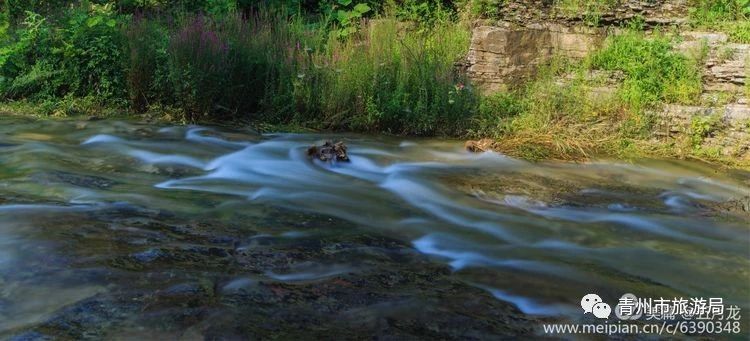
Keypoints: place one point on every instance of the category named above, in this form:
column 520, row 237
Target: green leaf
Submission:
column 93, row 21
column 345, row 2
column 343, row 16
column 362, row 8
column 111, row 22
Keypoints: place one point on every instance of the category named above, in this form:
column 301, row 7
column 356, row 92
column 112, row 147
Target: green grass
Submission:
column 738, row 31
column 590, row 10
column 730, row 16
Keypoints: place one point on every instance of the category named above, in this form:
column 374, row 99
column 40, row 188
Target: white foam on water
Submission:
column 166, row 159
column 529, row 305
column 461, row 259
column 239, row 284
column 432, row 202
column 103, row 138
column 194, row 135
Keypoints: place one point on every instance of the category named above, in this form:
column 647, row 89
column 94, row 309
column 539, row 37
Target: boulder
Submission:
column 329, row 152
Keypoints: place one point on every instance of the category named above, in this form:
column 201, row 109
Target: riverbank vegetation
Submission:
column 565, row 112
column 366, row 66
column 391, row 72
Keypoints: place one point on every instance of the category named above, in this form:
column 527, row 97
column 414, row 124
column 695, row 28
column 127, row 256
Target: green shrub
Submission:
column 483, row 8
column 426, row 13
column 390, row 80
column 496, row 112
column 91, row 53
column 654, row 71
column 16, row 10
column 83, row 56
column 269, row 63
column 702, row 127
column 346, row 15
column 730, row 16
column 32, row 44
column 264, row 55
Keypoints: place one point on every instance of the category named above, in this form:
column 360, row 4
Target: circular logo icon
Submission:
column 627, row 308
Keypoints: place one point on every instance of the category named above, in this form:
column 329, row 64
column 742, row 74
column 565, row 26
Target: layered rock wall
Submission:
column 506, row 52
column 503, row 56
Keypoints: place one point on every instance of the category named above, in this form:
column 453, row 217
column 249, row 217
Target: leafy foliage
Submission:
column 82, row 57
column 346, row 15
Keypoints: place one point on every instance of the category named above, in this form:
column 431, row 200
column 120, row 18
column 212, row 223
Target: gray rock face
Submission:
column 502, row 56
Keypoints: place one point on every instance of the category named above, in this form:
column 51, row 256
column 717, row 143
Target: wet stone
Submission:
column 31, row 336
column 351, row 283
column 85, row 181
column 329, row 152
column 739, row 207
column 148, row 256
column 88, row 319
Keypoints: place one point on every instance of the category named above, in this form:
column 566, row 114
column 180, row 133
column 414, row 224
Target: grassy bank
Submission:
column 560, row 114
column 364, row 66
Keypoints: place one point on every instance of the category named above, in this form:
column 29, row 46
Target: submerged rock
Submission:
column 80, row 180
column 329, row 152
column 739, row 207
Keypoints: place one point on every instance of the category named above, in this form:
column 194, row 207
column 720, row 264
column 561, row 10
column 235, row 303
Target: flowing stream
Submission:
column 125, row 230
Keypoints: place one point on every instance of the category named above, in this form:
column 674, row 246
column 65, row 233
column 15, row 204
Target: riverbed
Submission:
column 124, row 230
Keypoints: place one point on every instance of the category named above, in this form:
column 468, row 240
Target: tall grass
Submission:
column 388, row 80
column 281, row 68
column 146, row 61
column 199, row 66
